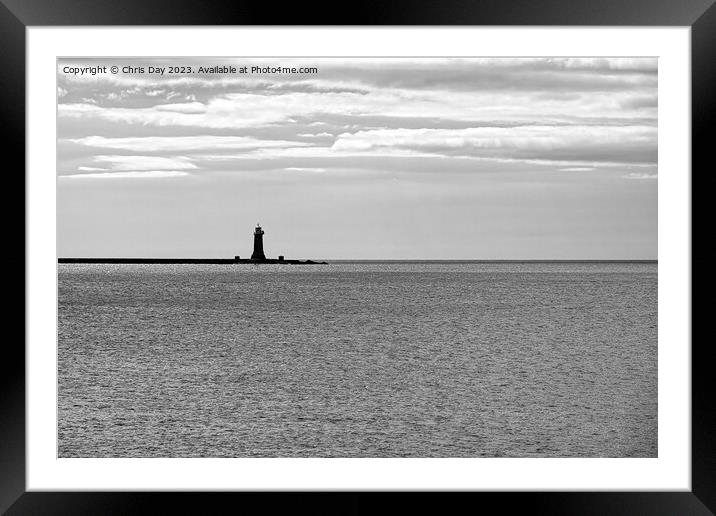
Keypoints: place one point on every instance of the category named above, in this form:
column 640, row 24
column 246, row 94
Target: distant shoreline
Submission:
column 229, row 261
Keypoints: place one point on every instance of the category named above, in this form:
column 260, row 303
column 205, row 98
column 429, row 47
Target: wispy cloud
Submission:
column 182, row 143
column 628, row 144
column 304, row 169
column 187, row 107
column 91, row 169
column 130, row 163
column 638, row 175
column 146, row 174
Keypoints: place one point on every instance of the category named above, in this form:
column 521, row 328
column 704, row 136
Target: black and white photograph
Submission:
column 360, row 257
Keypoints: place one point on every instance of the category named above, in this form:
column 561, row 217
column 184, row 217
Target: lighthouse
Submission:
column 258, row 253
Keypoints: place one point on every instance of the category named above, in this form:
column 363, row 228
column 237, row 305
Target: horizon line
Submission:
column 402, row 260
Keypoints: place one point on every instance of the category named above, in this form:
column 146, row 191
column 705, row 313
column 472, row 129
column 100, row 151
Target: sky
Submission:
column 362, row 158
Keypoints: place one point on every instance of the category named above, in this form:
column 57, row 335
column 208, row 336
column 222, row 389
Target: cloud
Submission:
column 304, row 169
column 182, row 143
column 262, row 108
column 356, row 74
column 577, row 169
column 136, row 163
column 187, row 107
column 316, row 135
column 638, row 175
column 147, row 174
column 91, row 169
column 596, row 143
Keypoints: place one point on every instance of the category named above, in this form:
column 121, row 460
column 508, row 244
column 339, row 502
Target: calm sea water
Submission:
column 358, row 360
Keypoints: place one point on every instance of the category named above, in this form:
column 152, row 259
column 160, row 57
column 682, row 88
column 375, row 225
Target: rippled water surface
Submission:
column 358, row 360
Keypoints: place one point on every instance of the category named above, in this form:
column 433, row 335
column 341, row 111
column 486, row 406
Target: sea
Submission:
column 358, row 359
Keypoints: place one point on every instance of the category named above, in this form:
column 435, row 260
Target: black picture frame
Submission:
column 17, row 15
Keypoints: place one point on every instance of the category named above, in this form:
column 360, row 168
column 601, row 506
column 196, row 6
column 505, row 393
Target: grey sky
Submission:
column 369, row 158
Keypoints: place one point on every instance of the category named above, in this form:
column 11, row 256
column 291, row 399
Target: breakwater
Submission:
column 226, row 261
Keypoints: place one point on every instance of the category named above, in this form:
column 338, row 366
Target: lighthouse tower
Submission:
column 258, row 253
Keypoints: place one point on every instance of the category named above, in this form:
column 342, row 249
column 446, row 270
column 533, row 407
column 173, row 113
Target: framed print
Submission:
column 442, row 249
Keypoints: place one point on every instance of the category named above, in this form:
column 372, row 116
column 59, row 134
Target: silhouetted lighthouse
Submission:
column 258, row 253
